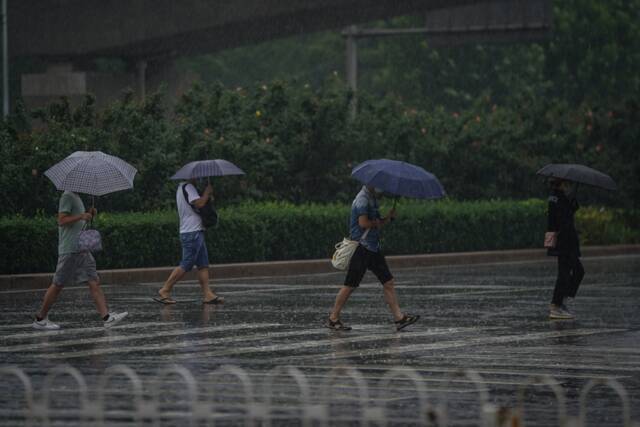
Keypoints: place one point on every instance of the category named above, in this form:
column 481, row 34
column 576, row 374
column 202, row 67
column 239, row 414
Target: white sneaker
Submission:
column 45, row 325
column 560, row 312
column 114, row 319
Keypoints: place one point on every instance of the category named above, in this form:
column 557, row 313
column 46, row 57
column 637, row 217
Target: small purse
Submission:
column 89, row 240
column 345, row 250
column 550, row 239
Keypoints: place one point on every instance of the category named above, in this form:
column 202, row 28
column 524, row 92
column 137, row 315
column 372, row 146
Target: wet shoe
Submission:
column 408, row 319
column 114, row 319
column 45, row 325
column 560, row 312
column 337, row 325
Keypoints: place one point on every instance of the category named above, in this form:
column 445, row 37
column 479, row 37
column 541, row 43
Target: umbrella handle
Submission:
column 93, row 205
column 395, row 200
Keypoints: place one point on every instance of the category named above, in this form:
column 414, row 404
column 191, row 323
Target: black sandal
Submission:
column 216, row 300
column 337, row 325
column 407, row 319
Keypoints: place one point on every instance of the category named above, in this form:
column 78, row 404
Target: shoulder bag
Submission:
column 207, row 212
column 344, row 251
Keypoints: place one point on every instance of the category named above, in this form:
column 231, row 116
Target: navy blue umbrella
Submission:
column 206, row 168
column 399, row 178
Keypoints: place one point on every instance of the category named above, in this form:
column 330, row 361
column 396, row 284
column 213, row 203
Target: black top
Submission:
column 561, row 219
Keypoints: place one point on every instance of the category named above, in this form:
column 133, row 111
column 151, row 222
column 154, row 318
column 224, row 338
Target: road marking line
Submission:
column 192, row 343
column 471, row 342
column 119, row 338
column 38, row 335
column 325, row 342
column 227, row 340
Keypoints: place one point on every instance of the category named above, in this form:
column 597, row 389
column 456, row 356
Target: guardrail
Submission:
column 228, row 395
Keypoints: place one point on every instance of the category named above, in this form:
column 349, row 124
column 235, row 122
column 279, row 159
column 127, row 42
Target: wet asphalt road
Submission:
column 490, row 318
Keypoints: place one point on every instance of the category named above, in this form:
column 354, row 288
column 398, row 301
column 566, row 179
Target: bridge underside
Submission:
column 68, row 29
column 149, row 34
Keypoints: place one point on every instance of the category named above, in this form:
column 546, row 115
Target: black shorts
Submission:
column 362, row 260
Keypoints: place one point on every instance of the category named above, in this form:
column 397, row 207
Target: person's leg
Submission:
column 577, row 274
column 341, row 299
column 562, row 281
column 177, row 274
column 50, row 298
column 65, row 272
column 187, row 241
column 98, row 298
column 390, row 296
column 202, row 262
column 203, row 279
column 355, row 273
column 86, row 273
column 378, row 265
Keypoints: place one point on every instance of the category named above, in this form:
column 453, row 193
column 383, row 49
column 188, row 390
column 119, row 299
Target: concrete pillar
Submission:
column 141, row 71
column 352, row 66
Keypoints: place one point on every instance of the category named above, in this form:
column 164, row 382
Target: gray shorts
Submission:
column 79, row 267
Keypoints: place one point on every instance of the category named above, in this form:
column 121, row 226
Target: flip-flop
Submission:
column 216, row 300
column 164, row 300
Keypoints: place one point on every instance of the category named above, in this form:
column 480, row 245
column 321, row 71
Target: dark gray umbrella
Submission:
column 206, row 168
column 578, row 173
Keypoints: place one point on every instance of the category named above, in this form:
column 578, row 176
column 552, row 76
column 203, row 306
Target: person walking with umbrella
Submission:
column 92, row 173
column 562, row 238
column 365, row 223
column 192, row 208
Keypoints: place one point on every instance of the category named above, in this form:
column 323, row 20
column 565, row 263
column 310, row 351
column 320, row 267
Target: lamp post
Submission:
column 5, row 62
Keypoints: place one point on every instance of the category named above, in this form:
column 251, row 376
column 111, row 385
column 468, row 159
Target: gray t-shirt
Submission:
column 70, row 203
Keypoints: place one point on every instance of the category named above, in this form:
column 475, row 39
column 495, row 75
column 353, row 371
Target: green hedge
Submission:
column 278, row 231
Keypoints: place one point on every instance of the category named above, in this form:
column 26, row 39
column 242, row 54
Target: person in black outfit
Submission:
column 562, row 208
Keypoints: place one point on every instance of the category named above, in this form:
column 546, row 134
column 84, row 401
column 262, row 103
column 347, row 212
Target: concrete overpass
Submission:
column 148, row 34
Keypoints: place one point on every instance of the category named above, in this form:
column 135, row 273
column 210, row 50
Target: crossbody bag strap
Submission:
column 186, row 197
column 364, row 236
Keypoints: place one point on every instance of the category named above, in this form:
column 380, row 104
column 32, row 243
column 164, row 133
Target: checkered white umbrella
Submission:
column 92, row 172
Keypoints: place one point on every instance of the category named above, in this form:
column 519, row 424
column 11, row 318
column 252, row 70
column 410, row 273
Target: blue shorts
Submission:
column 194, row 251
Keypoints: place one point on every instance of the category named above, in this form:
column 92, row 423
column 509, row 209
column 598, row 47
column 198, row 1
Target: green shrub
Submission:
column 296, row 144
column 282, row 231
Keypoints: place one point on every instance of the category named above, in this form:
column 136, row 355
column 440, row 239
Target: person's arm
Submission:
column 553, row 220
column 65, row 218
column 202, row 200
column 365, row 222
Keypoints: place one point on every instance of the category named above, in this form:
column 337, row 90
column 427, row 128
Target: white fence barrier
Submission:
column 285, row 396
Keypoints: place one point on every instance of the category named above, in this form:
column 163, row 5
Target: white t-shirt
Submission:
column 189, row 220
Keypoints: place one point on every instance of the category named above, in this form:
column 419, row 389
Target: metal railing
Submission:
column 284, row 396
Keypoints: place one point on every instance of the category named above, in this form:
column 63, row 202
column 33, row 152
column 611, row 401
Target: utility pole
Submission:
column 352, row 66
column 141, row 69
column 5, row 62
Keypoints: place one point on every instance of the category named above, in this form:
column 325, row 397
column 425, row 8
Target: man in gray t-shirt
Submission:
column 74, row 266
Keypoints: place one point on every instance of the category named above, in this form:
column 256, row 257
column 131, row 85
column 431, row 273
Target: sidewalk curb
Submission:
column 284, row 268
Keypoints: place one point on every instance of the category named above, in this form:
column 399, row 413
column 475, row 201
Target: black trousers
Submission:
column 570, row 274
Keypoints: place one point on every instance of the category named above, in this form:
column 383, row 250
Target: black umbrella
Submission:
column 578, row 173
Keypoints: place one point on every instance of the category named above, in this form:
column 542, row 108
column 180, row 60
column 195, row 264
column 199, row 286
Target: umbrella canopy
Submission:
column 92, row 172
column 578, row 173
column 399, row 178
column 205, row 168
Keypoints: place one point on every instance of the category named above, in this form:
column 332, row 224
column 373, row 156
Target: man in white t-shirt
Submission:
column 194, row 248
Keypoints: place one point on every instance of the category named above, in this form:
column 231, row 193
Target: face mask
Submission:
column 378, row 191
